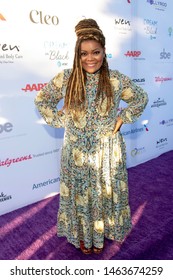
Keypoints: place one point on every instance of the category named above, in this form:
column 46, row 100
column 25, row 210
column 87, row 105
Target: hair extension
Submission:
column 87, row 29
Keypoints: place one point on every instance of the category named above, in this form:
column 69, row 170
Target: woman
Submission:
column 94, row 185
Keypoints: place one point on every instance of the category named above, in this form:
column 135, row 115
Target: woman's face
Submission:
column 92, row 55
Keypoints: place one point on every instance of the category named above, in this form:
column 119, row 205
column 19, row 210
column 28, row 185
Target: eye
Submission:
column 83, row 53
column 97, row 52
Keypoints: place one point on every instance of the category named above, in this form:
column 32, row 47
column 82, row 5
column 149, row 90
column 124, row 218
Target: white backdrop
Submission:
column 37, row 41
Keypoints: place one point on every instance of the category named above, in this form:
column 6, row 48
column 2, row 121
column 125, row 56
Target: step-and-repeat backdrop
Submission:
column 36, row 42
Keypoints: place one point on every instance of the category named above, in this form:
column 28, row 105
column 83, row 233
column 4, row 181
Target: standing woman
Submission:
column 94, row 201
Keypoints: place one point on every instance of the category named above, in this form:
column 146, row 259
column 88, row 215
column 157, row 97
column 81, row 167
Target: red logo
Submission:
column 36, row 87
column 10, row 161
column 133, row 53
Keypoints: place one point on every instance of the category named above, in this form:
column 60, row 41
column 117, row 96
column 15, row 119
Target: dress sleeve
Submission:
column 135, row 97
column 47, row 100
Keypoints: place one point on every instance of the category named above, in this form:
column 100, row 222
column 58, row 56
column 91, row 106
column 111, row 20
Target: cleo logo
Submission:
column 2, row 17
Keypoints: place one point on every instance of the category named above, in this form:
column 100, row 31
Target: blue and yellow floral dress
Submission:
column 94, row 183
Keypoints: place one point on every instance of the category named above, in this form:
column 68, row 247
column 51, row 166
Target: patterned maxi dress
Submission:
column 94, row 183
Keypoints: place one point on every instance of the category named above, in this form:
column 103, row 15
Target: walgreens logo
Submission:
column 33, row 87
column 7, row 162
column 163, row 79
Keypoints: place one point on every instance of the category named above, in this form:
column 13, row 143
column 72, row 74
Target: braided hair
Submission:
column 86, row 29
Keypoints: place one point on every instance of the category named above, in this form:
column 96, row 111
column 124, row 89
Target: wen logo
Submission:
column 2, row 17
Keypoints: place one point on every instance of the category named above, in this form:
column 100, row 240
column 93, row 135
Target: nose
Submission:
column 89, row 57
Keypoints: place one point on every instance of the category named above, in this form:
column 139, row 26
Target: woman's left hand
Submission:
column 118, row 125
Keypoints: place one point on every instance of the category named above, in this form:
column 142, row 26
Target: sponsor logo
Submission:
column 9, row 53
column 150, row 28
column 139, row 81
column 135, row 55
column 137, row 151
column 146, row 128
column 2, row 17
column 168, row 122
column 38, row 17
column 8, row 162
column 123, row 26
column 46, row 183
column 58, row 52
column 133, row 131
column 4, row 197
column 170, row 31
column 34, row 87
column 165, row 55
column 163, row 79
column 6, row 127
column 109, row 55
column 159, row 102
column 158, row 5
column 161, row 143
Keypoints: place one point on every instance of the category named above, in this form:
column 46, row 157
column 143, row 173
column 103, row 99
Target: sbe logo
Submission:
column 165, row 55
column 6, row 127
column 39, row 17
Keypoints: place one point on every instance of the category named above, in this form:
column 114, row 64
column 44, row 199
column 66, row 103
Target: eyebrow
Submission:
column 97, row 49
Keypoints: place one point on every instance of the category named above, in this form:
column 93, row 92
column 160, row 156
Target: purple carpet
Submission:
column 29, row 233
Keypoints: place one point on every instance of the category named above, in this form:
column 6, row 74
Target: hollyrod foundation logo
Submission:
column 33, row 87
column 168, row 122
column 4, row 197
column 158, row 5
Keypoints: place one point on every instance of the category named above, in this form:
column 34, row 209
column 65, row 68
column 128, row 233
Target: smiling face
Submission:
column 92, row 55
